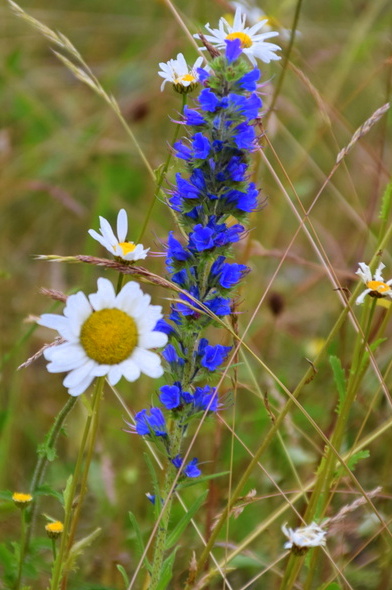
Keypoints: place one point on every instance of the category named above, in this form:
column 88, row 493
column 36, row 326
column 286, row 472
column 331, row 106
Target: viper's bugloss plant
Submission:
column 211, row 200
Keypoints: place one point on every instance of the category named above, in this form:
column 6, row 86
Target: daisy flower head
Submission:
column 105, row 335
column 253, row 43
column 302, row 538
column 376, row 286
column 176, row 71
column 117, row 245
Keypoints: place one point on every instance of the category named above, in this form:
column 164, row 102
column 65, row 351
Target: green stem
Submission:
column 71, row 494
column 167, row 495
column 321, row 494
column 38, row 476
column 83, row 486
column 23, row 530
column 54, row 549
column 162, row 174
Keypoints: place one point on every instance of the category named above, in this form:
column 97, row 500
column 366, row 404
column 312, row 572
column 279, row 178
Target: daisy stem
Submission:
column 44, row 453
column 162, row 174
column 167, row 497
column 66, row 539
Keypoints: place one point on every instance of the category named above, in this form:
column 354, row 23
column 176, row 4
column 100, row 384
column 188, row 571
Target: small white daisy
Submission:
column 252, row 42
column 375, row 285
column 105, row 334
column 117, row 245
column 302, row 538
column 177, row 71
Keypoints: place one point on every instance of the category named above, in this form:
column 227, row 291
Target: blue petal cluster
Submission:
column 211, row 199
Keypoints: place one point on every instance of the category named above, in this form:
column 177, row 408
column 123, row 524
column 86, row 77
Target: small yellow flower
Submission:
column 54, row 529
column 21, row 500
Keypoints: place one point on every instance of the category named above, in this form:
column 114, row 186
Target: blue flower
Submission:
column 170, row 355
column 188, row 188
column 228, row 235
column 202, row 74
column 183, row 308
column 214, row 356
column 201, row 146
column 236, row 169
column 202, row 238
column 208, row 100
column 163, row 326
column 205, row 397
column 227, row 274
column 153, row 424
column 233, row 49
column 247, row 106
column 175, row 249
column 193, row 117
column 243, row 201
column 182, row 151
column 244, row 136
column 249, row 80
column 191, row 470
column 219, row 306
column 170, row 396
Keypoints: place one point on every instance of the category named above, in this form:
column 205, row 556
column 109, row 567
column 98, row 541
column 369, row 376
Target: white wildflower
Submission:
column 183, row 77
column 253, row 43
column 376, row 286
column 117, row 245
column 105, row 334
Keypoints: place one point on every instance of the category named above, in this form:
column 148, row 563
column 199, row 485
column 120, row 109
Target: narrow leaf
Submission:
column 167, row 571
column 176, row 533
column 123, row 574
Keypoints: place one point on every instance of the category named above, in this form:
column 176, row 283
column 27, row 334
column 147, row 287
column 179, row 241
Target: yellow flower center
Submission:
column 109, row 336
column 19, row 497
column 246, row 41
column 126, row 247
column 185, row 78
column 55, row 527
column 378, row 286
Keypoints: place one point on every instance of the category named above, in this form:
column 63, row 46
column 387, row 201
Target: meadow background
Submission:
column 65, row 160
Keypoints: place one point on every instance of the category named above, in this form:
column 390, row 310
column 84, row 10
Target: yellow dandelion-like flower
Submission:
column 21, row 500
column 54, row 529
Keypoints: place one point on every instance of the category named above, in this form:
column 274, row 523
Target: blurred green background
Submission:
column 65, row 159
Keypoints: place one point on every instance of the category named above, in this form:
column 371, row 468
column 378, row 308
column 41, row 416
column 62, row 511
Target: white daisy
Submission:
column 177, row 71
column 105, row 334
column 302, row 538
column 117, row 245
column 375, row 285
column 252, row 42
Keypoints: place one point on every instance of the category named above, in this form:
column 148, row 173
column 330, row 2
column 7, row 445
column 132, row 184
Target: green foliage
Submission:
column 175, row 535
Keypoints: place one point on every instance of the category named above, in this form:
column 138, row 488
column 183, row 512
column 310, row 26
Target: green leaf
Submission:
column 46, row 490
column 78, row 548
column 332, row 586
column 176, row 533
column 124, row 575
column 352, row 462
column 340, row 380
column 139, row 539
column 167, row 571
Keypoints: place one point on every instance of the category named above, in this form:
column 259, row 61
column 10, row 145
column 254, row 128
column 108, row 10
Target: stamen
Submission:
column 246, row 41
column 186, row 78
column 126, row 247
column 109, row 336
column 378, row 286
